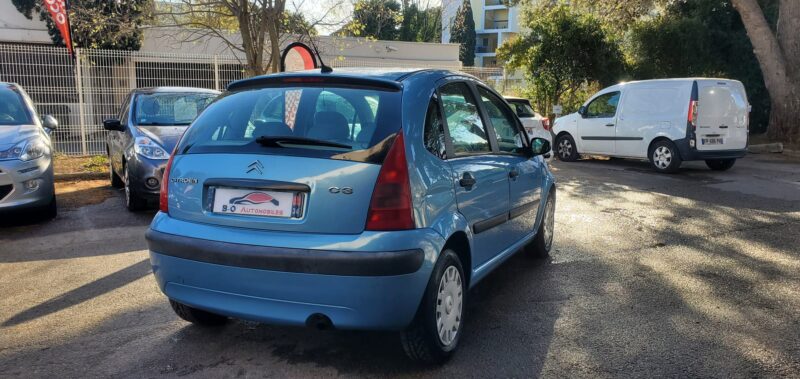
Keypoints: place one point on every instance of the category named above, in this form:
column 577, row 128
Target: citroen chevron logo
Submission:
column 255, row 166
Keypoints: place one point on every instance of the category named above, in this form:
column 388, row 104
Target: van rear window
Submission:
column 334, row 122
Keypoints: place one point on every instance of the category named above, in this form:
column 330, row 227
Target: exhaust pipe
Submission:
column 319, row 321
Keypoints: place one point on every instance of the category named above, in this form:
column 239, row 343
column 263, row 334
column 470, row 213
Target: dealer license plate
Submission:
column 255, row 202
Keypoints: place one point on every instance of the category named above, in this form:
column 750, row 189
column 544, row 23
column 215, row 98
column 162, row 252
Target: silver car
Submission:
column 26, row 162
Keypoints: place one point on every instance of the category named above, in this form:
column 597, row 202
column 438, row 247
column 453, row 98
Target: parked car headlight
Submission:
column 27, row 150
column 145, row 147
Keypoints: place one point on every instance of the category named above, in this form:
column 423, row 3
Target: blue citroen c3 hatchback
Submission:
column 359, row 199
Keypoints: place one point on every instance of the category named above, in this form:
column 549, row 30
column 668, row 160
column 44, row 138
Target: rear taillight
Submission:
column 692, row 117
column 546, row 124
column 163, row 197
column 390, row 207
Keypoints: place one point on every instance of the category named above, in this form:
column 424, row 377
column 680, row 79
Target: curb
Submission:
column 80, row 176
column 792, row 153
column 765, row 148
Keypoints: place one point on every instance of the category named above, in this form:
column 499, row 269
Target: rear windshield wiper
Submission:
column 276, row 141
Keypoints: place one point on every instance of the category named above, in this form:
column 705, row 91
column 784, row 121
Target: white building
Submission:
column 495, row 23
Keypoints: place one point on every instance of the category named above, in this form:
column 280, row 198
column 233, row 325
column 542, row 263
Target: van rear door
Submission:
column 722, row 115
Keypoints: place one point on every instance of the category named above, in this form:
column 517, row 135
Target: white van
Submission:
column 666, row 121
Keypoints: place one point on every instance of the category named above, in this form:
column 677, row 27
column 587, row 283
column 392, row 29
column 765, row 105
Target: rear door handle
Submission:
column 609, row 124
column 723, row 126
column 467, row 181
column 513, row 174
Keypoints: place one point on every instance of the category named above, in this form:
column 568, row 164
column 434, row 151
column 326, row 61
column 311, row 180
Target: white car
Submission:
column 535, row 125
column 666, row 121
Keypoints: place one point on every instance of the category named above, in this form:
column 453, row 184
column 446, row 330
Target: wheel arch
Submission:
column 659, row 139
column 459, row 243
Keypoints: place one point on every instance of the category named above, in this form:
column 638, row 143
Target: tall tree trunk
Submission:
column 780, row 82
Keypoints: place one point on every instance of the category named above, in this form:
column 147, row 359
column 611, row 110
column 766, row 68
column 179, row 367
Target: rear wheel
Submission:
column 434, row 334
column 543, row 242
column 720, row 164
column 133, row 202
column 197, row 316
column 566, row 149
column 664, row 157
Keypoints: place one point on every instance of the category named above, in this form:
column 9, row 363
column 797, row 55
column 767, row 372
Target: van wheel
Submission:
column 566, row 149
column 133, row 202
column 434, row 334
column 197, row 316
column 664, row 157
column 543, row 242
column 720, row 164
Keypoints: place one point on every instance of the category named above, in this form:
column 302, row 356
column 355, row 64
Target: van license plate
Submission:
column 255, row 202
column 711, row 141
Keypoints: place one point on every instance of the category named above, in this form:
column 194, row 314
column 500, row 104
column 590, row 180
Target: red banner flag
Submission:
column 58, row 11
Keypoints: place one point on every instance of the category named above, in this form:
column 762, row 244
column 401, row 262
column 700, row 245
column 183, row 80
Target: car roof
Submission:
column 385, row 75
column 149, row 90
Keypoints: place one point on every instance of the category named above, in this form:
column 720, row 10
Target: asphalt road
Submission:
column 694, row 274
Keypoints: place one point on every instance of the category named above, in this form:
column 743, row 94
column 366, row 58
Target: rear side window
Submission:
column 329, row 122
column 434, row 130
column 603, row 106
column 13, row 110
column 464, row 123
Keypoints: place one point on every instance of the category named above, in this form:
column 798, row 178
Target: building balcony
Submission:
column 496, row 24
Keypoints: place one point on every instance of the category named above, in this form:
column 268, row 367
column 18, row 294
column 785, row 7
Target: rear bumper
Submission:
column 283, row 259
column 368, row 288
column 689, row 153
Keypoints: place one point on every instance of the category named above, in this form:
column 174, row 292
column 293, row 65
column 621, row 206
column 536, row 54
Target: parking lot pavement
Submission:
column 694, row 274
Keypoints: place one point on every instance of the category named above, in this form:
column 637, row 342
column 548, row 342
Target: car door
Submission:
column 116, row 139
column 480, row 180
column 524, row 173
column 597, row 124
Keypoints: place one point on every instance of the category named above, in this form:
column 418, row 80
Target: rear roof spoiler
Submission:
column 315, row 80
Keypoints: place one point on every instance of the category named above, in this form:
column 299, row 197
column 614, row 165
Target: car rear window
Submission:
column 12, row 108
column 334, row 122
column 170, row 108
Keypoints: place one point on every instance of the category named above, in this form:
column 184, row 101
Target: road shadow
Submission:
column 83, row 293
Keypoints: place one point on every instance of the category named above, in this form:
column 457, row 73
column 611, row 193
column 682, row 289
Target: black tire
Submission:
column 49, row 211
column 543, row 242
column 133, row 202
column 421, row 340
column 720, row 164
column 116, row 181
column 565, row 149
column 665, row 157
column 197, row 316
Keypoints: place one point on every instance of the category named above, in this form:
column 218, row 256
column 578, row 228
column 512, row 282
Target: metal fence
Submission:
column 84, row 92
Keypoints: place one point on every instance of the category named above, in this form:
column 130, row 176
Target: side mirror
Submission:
column 582, row 111
column 49, row 122
column 112, row 124
column 539, row 146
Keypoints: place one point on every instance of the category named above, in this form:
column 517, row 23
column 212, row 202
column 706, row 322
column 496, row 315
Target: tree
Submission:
column 699, row 38
column 97, row 24
column 463, row 32
column 378, row 19
column 421, row 22
column 778, row 54
column 562, row 53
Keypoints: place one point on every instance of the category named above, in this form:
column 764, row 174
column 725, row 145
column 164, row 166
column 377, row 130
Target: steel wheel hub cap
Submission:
column 662, row 157
column 449, row 301
column 127, row 188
